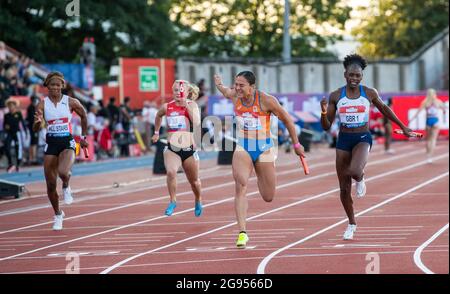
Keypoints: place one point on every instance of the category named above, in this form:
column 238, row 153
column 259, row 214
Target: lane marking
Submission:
column 418, row 252
column 109, row 269
column 266, row 260
column 188, row 193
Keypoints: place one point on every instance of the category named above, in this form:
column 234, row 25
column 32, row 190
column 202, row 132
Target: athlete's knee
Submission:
column 196, row 183
column 171, row 173
column 268, row 196
column 354, row 172
column 64, row 175
column 240, row 186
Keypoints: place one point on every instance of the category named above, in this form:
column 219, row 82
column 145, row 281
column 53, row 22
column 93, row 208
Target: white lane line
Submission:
column 135, row 190
column 153, row 179
column 208, row 175
column 188, row 193
column 262, row 266
column 418, row 252
column 265, row 213
column 161, row 217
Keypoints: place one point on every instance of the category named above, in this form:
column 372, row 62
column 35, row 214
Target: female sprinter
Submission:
column 183, row 117
column 253, row 109
column 56, row 111
column 352, row 103
column 432, row 104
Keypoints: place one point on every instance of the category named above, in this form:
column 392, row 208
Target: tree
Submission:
column 396, row 28
column 254, row 28
column 42, row 30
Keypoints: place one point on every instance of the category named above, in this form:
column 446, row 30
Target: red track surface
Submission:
column 407, row 202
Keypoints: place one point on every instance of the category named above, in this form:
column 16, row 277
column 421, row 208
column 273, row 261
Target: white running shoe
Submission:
column 390, row 151
column 348, row 234
column 58, row 223
column 360, row 189
column 68, row 199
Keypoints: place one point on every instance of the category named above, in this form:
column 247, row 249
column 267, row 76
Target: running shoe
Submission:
column 58, row 221
column 348, row 234
column 68, row 199
column 170, row 208
column 360, row 189
column 198, row 208
column 242, row 240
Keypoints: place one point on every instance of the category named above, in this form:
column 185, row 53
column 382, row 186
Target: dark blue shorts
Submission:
column 347, row 141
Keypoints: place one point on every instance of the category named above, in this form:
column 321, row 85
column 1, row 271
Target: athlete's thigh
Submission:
column 65, row 160
column 191, row 167
column 265, row 171
column 343, row 160
column 242, row 166
column 51, row 168
column 172, row 161
column 360, row 155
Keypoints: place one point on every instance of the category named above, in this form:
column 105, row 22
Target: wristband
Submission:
column 156, row 133
column 297, row 145
column 324, row 112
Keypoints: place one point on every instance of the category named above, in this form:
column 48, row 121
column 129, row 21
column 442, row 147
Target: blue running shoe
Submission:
column 170, row 208
column 198, row 208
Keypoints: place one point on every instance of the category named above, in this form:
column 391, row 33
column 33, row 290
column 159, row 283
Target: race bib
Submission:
column 251, row 123
column 58, row 127
column 177, row 122
column 353, row 115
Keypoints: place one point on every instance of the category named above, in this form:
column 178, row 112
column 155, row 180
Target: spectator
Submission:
column 12, row 123
column 148, row 116
column 2, row 52
column 113, row 113
column 104, row 140
column 34, row 136
column 125, row 116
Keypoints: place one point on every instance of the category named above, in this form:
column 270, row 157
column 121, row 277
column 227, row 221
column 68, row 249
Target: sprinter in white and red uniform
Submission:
column 352, row 103
column 56, row 111
column 183, row 116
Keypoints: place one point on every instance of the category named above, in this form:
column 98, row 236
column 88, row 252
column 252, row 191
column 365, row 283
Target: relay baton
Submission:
column 86, row 152
column 304, row 164
column 414, row 134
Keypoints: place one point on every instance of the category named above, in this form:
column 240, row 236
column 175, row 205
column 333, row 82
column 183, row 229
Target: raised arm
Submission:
column 161, row 112
column 38, row 117
column 226, row 91
column 328, row 113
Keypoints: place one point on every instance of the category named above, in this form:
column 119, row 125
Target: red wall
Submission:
column 129, row 79
column 402, row 105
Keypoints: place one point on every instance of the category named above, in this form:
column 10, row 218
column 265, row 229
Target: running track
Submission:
column 402, row 222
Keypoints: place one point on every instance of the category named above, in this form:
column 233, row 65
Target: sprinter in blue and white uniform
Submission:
column 352, row 104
